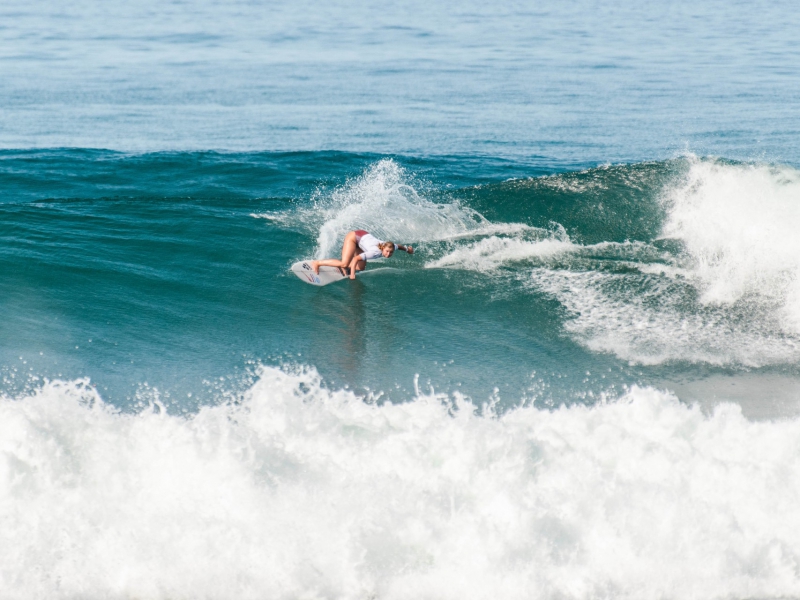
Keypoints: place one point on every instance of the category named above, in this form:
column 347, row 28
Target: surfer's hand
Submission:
column 409, row 249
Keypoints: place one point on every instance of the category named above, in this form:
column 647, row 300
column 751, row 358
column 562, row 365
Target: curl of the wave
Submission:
column 719, row 282
column 739, row 224
column 728, row 295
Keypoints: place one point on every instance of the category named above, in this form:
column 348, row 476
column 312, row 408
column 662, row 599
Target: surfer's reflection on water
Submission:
column 354, row 347
column 345, row 314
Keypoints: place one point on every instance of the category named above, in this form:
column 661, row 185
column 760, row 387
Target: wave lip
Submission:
column 295, row 490
column 739, row 224
column 729, row 296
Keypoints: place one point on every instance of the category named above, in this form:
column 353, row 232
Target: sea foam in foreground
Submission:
column 293, row 490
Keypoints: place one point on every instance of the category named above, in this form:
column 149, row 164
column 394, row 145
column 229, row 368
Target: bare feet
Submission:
column 315, row 266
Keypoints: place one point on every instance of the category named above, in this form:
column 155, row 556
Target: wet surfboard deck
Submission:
column 326, row 274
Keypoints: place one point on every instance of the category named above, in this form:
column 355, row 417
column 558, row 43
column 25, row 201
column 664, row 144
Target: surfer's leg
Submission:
column 349, row 249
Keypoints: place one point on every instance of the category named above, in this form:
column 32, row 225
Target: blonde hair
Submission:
column 383, row 245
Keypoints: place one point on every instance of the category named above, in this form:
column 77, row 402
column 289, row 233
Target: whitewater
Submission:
column 296, row 491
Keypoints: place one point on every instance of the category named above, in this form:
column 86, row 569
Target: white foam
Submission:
column 539, row 246
column 731, row 297
column 645, row 320
column 739, row 224
column 297, row 491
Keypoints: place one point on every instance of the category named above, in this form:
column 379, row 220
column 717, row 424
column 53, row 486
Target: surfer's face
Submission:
column 387, row 251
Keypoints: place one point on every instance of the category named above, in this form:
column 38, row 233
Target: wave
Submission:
column 691, row 260
column 717, row 282
column 296, row 490
column 738, row 225
column 685, row 260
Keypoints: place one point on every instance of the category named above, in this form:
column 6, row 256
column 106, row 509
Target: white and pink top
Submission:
column 368, row 243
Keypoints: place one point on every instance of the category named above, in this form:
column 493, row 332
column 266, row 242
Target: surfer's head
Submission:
column 387, row 248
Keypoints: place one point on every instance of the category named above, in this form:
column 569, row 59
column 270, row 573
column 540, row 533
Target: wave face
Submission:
column 292, row 490
column 636, row 274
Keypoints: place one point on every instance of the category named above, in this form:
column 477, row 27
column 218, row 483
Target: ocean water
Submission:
column 585, row 383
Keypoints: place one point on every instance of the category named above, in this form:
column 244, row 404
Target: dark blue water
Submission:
column 584, row 383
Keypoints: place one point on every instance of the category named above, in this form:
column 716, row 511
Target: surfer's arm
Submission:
column 353, row 264
column 408, row 249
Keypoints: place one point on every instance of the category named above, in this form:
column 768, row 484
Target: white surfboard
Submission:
column 326, row 274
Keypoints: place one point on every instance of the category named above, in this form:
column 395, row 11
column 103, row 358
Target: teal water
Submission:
column 170, row 271
column 180, row 285
column 585, row 383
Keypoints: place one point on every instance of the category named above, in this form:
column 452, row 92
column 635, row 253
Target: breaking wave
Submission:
column 294, row 490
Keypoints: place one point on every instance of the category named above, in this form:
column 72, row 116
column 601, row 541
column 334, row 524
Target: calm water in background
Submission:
column 572, row 82
column 605, row 204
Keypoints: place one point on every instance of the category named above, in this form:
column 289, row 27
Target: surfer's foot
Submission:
column 315, row 266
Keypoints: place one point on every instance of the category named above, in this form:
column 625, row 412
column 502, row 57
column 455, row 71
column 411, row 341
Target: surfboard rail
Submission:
column 305, row 273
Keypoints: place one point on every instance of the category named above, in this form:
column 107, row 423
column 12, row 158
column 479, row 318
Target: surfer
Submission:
column 359, row 247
